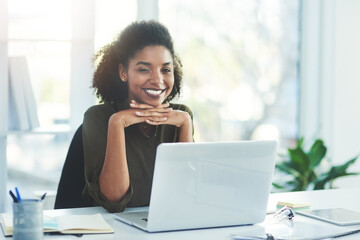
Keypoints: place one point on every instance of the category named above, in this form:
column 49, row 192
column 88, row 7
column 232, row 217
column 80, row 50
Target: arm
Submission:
column 114, row 179
column 95, row 129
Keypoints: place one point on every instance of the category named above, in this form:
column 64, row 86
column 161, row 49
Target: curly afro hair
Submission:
column 138, row 35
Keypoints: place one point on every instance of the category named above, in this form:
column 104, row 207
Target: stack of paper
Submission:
column 295, row 205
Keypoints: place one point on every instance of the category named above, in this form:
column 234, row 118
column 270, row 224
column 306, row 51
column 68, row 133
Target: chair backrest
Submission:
column 72, row 180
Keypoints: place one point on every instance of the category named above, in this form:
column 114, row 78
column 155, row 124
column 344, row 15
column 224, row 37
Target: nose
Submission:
column 157, row 77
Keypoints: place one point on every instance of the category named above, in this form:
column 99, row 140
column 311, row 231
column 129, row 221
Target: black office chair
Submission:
column 72, row 180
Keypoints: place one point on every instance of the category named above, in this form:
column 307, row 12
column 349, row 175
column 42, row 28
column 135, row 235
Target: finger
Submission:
column 134, row 104
column 159, row 110
column 154, row 111
column 156, row 122
column 157, row 118
column 165, row 105
column 149, row 114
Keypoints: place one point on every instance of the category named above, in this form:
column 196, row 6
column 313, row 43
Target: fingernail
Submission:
column 164, row 118
column 138, row 113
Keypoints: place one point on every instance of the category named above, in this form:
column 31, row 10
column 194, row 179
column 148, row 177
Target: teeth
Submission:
column 153, row 92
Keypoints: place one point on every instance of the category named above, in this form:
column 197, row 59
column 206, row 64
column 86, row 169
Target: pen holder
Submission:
column 28, row 220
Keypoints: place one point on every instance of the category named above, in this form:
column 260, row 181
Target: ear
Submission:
column 122, row 73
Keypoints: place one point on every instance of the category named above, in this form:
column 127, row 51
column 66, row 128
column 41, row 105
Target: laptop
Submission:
column 204, row 185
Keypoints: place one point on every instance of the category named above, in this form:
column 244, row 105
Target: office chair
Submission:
column 72, row 180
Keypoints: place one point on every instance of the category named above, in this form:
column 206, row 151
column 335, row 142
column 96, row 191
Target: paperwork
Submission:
column 67, row 224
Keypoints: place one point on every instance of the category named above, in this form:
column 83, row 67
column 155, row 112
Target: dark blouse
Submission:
column 140, row 153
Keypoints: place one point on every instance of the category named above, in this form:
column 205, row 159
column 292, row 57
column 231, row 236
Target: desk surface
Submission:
column 345, row 198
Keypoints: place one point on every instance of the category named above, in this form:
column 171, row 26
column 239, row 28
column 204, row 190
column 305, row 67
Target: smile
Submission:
column 154, row 92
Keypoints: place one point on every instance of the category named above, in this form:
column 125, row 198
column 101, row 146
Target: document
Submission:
column 67, row 224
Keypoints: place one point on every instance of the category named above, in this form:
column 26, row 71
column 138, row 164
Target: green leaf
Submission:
column 299, row 160
column 300, row 142
column 312, row 177
column 288, row 167
column 302, row 168
column 334, row 173
column 316, row 153
column 295, row 185
column 340, row 170
column 278, row 186
column 320, row 183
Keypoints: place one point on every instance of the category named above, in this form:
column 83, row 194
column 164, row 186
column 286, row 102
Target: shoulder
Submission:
column 101, row 112
column 106, row 108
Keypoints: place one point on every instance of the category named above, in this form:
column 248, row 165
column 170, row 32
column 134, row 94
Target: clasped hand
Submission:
column 159, row 115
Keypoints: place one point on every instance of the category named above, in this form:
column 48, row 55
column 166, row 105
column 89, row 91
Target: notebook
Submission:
column 66, row 224
column 203, row 185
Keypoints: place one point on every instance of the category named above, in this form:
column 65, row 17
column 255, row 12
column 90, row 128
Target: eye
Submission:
column 166, row 70
column 143, row 70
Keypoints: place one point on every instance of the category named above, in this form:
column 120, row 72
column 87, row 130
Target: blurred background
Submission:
column 253, row 69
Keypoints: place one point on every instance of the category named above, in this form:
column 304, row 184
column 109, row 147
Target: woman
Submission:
column 136, row 77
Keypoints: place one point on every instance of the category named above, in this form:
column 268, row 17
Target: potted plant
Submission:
column 305, row 170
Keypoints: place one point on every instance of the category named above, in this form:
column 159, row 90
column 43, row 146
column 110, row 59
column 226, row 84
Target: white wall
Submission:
column 347, row 79
column 346, row 108
column 330, row 75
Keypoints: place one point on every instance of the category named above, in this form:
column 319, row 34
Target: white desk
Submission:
column 346, row 198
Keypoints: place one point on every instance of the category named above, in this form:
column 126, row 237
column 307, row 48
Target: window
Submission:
column 240, row 66
column 240, row 72
column 112, row 16
column 40, row 30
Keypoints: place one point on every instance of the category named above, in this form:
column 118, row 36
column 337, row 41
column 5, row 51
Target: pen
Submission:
column 13, row 196
column 268, row 237
column 43, row 196
column 18, row 194
column 59, row 233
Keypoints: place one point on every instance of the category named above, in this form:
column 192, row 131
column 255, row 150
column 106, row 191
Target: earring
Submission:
column 124, row 80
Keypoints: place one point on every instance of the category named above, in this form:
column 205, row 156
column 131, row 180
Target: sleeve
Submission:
column 95, row 127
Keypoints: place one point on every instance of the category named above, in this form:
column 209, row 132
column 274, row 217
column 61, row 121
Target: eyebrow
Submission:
column 149, row 64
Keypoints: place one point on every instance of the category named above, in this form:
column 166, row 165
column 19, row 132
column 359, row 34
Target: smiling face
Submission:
column 150, row 75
